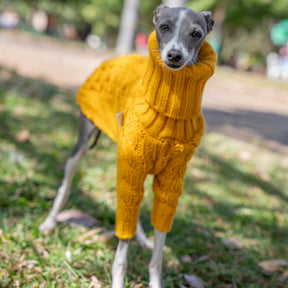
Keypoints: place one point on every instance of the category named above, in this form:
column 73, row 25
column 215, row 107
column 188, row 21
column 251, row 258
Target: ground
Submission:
column 233, row 212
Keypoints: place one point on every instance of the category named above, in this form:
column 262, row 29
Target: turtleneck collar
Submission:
column 176, row 94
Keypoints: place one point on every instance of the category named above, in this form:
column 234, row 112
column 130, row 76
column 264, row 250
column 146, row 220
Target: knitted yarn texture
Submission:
column 163, row 125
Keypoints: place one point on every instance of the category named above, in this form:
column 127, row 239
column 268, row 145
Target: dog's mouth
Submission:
column 173, row 59
column 173, row 66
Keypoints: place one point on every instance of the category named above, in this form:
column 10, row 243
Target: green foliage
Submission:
column 146, row 15
column 244, row 13
column 103, row 18
column 246, row 26
column 201, row 5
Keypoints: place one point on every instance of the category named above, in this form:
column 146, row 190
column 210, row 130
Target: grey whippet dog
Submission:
column 177, row 50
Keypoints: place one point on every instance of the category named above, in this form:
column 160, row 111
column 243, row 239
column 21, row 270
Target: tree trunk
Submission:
column 174, row 3
column 128, row 27
column 219, row 16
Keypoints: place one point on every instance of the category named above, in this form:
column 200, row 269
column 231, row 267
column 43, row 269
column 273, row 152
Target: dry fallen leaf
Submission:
column 27, row 263
column 16, row 284
column 202, row 231
column 232, row 243
column 283, row 277
column 68, row 255
column 95, row 283
column 173, row 263
column 203, row 258
column 193, row 281
column 137, row 285
column 186, row 259
column 23, row 136
column 96, row 235
column 75, row 216
column 270, row 267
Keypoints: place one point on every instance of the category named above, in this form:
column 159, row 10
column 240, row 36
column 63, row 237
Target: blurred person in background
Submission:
column 9, row 18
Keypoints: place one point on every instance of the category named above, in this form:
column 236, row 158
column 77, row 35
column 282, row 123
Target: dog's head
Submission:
column 180, row 33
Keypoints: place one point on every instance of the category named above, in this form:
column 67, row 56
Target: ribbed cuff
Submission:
column 126, row 221
column 163, row 215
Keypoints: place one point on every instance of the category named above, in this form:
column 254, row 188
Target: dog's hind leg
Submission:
column 141, row 238
column 86, row 130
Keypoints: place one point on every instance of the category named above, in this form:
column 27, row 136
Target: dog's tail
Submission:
column 95, row 140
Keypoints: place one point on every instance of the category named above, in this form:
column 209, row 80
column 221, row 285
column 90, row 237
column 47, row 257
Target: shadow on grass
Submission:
column 267, row 129
column 33, row 169
column 246, row 186
column 21, row 182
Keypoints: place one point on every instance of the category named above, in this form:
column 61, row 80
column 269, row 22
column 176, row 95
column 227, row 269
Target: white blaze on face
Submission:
column 176, row 41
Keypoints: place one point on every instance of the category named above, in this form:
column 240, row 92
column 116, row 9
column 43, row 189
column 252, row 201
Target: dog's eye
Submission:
column 164, row 28
column 196, row 34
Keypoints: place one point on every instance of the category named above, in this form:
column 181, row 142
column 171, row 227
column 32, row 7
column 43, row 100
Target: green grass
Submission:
column 231, row 189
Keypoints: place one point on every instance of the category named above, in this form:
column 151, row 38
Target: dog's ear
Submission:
column 209, row 20
column 157, row 13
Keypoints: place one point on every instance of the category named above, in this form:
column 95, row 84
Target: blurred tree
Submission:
column 236, row 20
column 241, row 24
column 128, row 26
column 129, row 22
column 245, row 13
column 174, row 3
column 98, row 17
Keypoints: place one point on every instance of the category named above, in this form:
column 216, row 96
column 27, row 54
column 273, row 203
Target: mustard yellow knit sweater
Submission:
column 162, row 127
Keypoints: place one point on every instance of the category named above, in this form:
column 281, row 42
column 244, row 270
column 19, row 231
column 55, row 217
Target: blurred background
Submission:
column 249, row 35
column 231, row 227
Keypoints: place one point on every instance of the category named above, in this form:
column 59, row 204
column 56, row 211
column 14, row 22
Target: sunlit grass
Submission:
column 231, row 189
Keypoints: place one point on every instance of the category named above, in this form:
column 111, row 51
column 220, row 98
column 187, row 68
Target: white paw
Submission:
column 47, row 226
column 155, row 282
column 155, row 275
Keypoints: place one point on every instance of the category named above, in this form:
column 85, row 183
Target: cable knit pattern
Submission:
column 162, row 127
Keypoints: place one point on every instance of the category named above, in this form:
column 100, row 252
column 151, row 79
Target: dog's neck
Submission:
column 176, row 94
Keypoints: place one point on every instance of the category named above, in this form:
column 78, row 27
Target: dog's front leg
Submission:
column 120, row 264
column 155, row 265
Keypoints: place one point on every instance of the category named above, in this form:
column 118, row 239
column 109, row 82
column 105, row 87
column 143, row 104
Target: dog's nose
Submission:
column 174, row 55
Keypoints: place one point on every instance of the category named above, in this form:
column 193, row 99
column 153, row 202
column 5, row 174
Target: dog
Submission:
column 180, row 34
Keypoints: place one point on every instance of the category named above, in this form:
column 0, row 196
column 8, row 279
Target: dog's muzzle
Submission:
column 175, row 59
